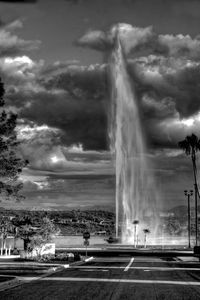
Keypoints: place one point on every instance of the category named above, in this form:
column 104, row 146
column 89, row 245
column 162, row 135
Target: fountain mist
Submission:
column 135, row 190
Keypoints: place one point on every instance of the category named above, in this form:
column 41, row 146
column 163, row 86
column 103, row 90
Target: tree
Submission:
column 32, row 233
column 43, row 235
column 47, row 229
column 146, row 231
column 5, row 229
column 25, row 229
column 10, row 161
column 173, row 226
column 191, row 145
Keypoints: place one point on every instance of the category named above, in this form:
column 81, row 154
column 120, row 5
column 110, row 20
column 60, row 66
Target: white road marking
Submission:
column 89, row 259
column 93, row 270
column 66, row 266
column 130, row 263
column 170, row 282
column 28, row 278
column 137, row 268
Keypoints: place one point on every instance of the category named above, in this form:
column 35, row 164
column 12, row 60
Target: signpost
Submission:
column 86, row 236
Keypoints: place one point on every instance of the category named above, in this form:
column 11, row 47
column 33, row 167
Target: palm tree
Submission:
column 135, row 223
column 191, row 145
column 146, row 231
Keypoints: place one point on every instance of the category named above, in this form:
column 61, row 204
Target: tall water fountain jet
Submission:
column 136, row 195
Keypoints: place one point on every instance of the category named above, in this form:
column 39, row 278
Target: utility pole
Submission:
column 135, row 223
column 196, row 214
column 188, row 194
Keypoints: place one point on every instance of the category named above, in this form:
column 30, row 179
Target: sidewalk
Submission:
column 191, row 259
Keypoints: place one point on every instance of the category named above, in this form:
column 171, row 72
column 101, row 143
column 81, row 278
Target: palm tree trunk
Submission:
column 189, row 225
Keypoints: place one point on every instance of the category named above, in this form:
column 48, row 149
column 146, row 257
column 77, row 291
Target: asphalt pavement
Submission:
column 113, row 278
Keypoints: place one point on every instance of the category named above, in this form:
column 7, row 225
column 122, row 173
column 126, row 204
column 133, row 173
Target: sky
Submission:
column 53, row 61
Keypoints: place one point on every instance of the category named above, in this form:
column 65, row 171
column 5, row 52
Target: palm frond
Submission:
column 192, row 140
column 185, row 146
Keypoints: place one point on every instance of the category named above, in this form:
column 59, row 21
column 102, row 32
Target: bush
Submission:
column 48, row 258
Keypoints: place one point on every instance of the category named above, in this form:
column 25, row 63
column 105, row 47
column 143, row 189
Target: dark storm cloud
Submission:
column 169, row 91
column 165, row 72
column 180, row 82
column 72, row 99
column 78, row 81
column 171, row 83
column 75, row 98
column 80, row 105
column 64, row 95
column 82, row 121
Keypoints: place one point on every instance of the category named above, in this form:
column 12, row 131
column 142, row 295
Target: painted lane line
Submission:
column 169, row 282
column 21, row 278
column 167, row 262
column 138, row 268
column 89, row 259
column 130, row 263
column 93, row 270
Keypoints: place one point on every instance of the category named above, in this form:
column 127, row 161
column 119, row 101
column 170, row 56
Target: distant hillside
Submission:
column 182, row 210
column 72, row 222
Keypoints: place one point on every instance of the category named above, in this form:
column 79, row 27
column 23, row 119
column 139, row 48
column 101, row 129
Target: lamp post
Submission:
column 188, row 194
column 135, row 223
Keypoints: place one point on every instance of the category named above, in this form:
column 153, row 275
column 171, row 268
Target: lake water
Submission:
column 61, row 241
column 77, row 241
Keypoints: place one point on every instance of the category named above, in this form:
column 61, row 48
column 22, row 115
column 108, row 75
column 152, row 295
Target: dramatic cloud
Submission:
column 11, row 44
column 71, row 98
column 74, row 99
column 177, row 79
column 165, row 72
column 19, row 70
column 96, row 39
column 43, row 147
column 131, row 37
column 136, row 41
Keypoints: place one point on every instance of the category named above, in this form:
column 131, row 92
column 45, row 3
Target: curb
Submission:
column 9, row 284
column 17, row 282
column 184, row 259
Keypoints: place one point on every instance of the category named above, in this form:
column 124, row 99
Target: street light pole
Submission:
column 135, row 223
column 196, row 214
column 188, row 194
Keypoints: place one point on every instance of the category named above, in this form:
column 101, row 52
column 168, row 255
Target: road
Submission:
column 114, row 278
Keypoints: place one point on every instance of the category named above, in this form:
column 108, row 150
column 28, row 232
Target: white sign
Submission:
column 46, row 249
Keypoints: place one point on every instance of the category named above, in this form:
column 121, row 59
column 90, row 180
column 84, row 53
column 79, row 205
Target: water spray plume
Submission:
column 136, row 195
